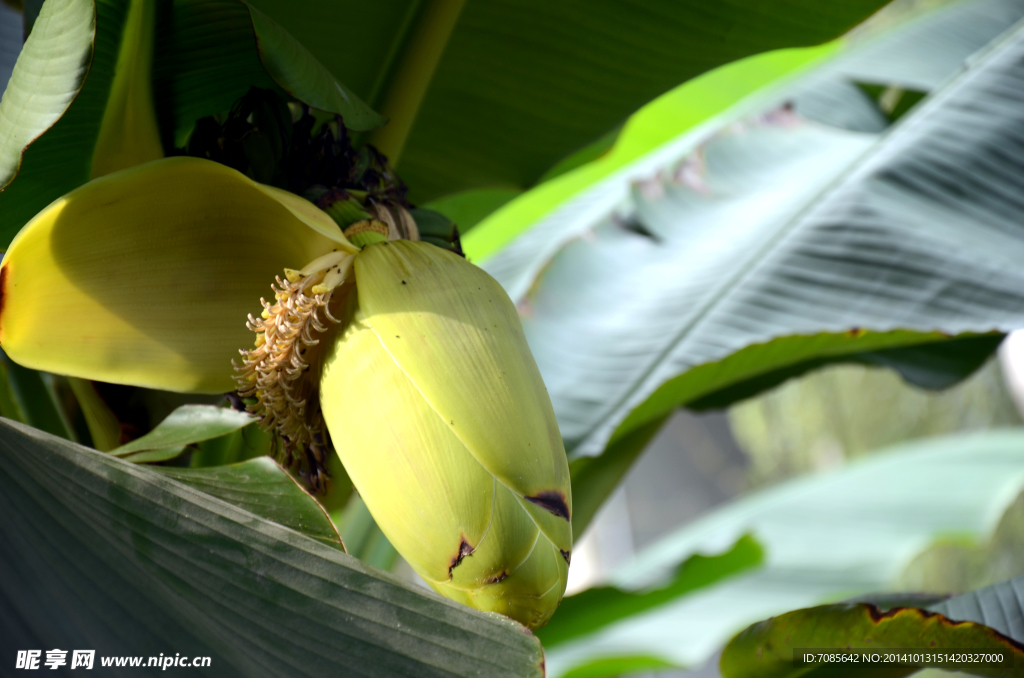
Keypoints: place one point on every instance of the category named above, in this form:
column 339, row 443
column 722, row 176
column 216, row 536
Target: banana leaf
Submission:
column 898, row 642
column 63, row 94
column 100, row 553
column 987, row 621
column 187, row 425
column 726, row 262
column 516, row 86
column 826, row 537
column 453, row 76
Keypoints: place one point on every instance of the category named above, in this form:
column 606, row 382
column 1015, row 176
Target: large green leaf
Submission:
column 187, row 425
column 99, row 553
column 262, row 487
column 501, row 113
column 937, row 42
column 825, row 537
column 693, row 105
column 1000, row 606
column 523, row 83
column 769, row 649
column 779, row 244
column 991, row 617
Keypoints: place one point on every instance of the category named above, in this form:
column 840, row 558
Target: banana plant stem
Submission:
column 408, row 87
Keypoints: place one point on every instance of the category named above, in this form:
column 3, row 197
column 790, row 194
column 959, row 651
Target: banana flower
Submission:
column 409, row 360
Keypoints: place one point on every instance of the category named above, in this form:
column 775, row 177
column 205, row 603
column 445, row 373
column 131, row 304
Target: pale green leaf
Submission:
column 187, row 425
column 261, row 486
column 721, row 265
column 826, row 537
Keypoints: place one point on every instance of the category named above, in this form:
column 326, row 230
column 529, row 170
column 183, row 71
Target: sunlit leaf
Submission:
column 187, row 425
column 780, row 244
column 826, row 537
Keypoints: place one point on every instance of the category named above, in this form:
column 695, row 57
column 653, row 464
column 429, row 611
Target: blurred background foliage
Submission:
column 826, row 418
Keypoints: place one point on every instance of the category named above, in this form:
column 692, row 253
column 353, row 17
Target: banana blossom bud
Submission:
column 409, row 359
column 441, row 419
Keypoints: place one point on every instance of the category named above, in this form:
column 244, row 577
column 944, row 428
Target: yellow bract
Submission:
column 146, row 276
column 437, row 493
column 441, row 419
column 453, row 330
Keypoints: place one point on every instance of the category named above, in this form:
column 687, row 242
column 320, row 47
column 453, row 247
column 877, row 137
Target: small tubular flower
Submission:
column 409, row 360
column 145, row 276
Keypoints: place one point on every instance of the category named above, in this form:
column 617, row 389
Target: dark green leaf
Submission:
column 98, row 553
column 358, row 42
column 466, row 209
column 34, row 399
column 693, row 106
column 935, row 366
column 205, row 61
column 154, row 456
column 588, row 153
column 521, row 85
column 31, row 9
column 262, row 487
column 766, row 649
column 589, row 610
column 501, row 111
column 9, row 406
column 298, row 72
column 187, row 425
